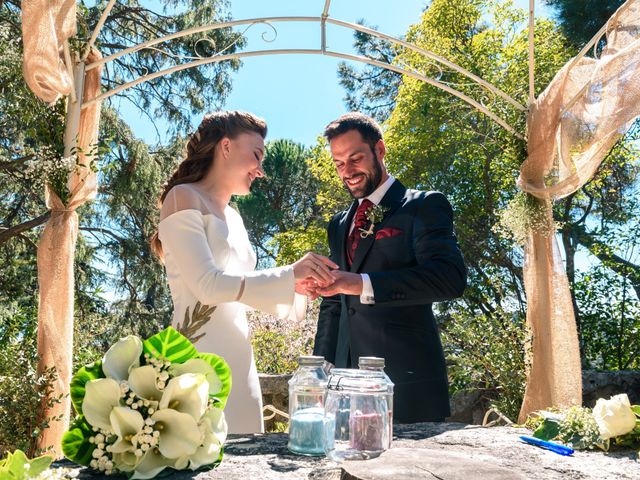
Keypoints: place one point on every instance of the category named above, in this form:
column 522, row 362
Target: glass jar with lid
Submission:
column 356, row 415
column 377, row 364
column 307, row 389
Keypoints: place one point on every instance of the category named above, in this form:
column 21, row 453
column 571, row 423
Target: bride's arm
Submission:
column 183, row 238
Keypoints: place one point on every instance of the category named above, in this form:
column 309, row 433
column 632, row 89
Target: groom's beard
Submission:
column 371, row 182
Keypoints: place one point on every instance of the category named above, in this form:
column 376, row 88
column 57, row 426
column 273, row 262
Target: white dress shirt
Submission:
column 367, row 297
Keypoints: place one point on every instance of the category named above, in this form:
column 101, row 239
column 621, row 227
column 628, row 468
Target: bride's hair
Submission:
column 200, row 148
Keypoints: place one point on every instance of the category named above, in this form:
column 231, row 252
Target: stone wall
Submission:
column 470, row 406
column 275, row 391
column 605, row 384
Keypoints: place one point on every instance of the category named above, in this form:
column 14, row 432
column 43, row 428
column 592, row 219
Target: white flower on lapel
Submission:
column 101, row 396
column 375, row 214
column 179, row 433
column 121, row 357
column 143, row 382
column 127, row 424
column 198, row 365
column 188, row 393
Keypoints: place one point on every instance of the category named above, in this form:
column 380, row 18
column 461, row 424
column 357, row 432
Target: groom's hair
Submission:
column 369, row 129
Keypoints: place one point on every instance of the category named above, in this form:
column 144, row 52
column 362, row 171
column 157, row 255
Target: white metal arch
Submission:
column 322, row 21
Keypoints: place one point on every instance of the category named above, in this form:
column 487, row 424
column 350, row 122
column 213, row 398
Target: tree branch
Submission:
column 7, row 233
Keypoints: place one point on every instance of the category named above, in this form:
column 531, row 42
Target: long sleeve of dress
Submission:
column 184, row 241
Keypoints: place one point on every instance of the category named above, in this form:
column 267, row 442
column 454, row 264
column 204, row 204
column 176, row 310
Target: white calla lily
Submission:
column 217, row 423
column 206, row 454
column 143, row 382
column 151, row 464
column 100, row 396
column 179, row 433
column 214, row 430
column 198, row 365
column 126, row 461
column 181, row 463
column 188, row 393
column 126, row 423
column 121, row 357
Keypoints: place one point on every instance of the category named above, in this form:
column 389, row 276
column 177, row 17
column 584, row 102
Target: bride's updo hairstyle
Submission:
column 200, row 148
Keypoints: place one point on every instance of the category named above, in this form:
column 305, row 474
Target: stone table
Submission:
column 448, row 451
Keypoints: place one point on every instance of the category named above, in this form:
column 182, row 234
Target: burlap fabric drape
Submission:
column 56, row 252
column 46, row 24
column 571, row 127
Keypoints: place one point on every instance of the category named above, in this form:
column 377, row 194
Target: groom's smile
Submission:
column 355, row 180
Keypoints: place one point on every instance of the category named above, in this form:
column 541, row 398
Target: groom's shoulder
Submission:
column 431, row 196
column 338, row 217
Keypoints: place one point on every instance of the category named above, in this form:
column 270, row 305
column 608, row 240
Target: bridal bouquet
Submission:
column 614, row 421
column 149, row 405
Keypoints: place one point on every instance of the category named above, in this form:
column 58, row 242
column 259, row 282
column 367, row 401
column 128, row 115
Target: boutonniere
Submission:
column 375, row 214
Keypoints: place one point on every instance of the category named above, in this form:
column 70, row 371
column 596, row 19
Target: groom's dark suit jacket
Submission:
column 414, row 262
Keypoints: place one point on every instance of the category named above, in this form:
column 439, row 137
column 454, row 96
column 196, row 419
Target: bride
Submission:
column 210, row 262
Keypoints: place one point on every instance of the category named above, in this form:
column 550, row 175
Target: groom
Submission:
column 397, row 254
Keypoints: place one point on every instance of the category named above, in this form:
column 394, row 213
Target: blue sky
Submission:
column 299, row 94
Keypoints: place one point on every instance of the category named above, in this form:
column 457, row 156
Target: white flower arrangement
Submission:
column 148, row 406
column 48, row 167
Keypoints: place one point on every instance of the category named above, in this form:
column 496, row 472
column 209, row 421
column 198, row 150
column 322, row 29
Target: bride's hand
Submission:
column 310, row 287
column 313, row 267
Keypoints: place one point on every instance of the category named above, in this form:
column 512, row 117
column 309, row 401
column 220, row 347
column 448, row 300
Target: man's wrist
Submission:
column 357, row 284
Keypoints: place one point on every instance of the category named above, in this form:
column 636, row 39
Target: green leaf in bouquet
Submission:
column 223, row 371
column 170, row 345
column 548, row 430
column 89, row 372
column 39, row 465
column 636, row 410
column 75, row 442
column 18, row 466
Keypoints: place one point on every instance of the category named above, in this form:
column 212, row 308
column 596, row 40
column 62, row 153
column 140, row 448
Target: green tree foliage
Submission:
column 580, row 20
column 329, row 196
column 177, row 96
column 372, row 90
column 282, row 202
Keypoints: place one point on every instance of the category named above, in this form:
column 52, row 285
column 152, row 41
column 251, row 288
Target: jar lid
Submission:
column 360, row 381
column 310, row 361
column 371, row 362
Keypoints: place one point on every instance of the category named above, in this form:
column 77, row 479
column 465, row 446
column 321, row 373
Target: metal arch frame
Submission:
column 322, row 21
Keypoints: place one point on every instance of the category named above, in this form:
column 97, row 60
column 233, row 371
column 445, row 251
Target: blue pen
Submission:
column 554, row 447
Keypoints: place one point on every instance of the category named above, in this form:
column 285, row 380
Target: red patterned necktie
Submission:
column 360, row 222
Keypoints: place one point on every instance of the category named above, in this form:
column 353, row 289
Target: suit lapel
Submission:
column 343, row 232
column 391, row 201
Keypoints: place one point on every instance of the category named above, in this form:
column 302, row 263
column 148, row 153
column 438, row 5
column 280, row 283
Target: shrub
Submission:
column 277, row 344
column 22, row 390
column 487, row 352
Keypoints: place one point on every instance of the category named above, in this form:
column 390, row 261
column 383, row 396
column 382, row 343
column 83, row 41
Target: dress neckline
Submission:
column 204, row 214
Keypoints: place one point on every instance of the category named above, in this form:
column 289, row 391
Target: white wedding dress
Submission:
column 210, row 269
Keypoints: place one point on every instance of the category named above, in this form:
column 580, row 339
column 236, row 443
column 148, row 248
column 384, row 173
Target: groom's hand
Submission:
column 346, row 283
